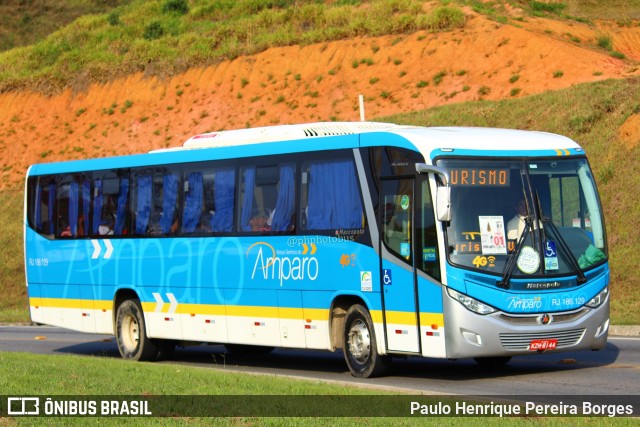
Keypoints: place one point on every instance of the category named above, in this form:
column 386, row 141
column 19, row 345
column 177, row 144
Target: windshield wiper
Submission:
column 551, row 227
column 505, row 283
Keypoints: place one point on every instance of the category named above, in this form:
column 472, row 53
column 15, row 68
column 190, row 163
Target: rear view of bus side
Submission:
column 370, row 238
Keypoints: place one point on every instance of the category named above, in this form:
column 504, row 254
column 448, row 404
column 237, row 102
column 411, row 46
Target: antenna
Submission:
column 361, row 101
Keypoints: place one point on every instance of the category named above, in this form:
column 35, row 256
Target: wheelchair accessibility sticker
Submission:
column 550, row 256
column 386, row 276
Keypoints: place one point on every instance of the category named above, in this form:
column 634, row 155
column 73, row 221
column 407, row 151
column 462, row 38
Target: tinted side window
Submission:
column 155, row 201
column 209, row 199
column 331, row 196
column 110, row 204
column 267, row 198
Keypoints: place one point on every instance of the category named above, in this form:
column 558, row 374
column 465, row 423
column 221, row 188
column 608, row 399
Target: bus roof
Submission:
column 450, row 139
column 283, row 133
column 430, row 141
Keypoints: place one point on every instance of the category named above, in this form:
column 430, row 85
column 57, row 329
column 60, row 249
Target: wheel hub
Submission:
column 130, row 333
column 359, row 341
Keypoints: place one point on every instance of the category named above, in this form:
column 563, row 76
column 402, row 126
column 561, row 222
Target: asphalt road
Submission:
column 612, row 371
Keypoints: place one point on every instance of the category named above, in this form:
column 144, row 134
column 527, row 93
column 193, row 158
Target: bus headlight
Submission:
column 598, row 299
column 470, row 303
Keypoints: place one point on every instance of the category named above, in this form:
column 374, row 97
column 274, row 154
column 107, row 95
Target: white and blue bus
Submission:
column 377, row 239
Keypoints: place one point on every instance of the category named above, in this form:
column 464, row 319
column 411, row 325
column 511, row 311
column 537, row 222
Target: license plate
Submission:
column 540, row 345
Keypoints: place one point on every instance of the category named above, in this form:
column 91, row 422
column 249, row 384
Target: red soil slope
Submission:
column 320, row 82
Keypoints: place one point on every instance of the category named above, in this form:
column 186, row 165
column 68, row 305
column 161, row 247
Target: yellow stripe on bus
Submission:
column 395, row 317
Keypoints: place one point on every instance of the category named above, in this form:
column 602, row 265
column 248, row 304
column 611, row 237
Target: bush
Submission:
column 180, row 7
column 153, row 31
column 113, row 19
column 444, row 18
column 604, row 41
column 539, row 6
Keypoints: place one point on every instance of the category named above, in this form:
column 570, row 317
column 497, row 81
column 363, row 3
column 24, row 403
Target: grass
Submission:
column 142, row 34
column 13, row 304
column 95, row 378
column 592, row 115
column 25, row 22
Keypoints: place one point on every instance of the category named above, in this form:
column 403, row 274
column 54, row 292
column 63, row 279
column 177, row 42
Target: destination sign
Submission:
column 479, row 177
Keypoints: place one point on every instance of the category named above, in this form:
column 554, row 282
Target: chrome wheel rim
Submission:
column 359, row 342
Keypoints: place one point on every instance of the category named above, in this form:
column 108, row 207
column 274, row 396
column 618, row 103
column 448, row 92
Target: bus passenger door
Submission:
column 397, row 270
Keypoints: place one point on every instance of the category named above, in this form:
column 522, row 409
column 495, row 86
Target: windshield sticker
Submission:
column 405, row 249
column 492, row 237
column 404, row 202
column 429, row 254
column 550, row 256
column 528, row 260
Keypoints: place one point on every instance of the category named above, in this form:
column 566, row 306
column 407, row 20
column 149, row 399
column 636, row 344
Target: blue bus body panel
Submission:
column 203, row 270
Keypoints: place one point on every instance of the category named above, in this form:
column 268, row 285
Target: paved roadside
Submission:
column 624, row 330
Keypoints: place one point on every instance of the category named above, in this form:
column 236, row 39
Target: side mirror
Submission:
column 443, row 203
column 443, row 193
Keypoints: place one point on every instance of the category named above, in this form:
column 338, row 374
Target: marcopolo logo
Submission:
column 270, row 264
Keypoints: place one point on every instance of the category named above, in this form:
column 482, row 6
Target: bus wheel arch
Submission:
column 131, row 333
column 339, row 308
column 351, row 322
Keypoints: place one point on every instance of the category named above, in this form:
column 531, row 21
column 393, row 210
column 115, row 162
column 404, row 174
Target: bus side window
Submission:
column 268, row 199
column 331, row 196
column 111, row 204
column 209, row 197
column 42, row 206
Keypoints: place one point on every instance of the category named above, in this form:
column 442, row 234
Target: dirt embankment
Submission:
column 484, row 60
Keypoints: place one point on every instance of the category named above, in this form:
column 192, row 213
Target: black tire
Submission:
column 131, row 334
column 492, row 362
column 360, row 345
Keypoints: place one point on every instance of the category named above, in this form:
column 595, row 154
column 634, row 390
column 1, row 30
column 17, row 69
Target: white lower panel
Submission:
column 402, row 337
column 433, row 342
column 204, row 328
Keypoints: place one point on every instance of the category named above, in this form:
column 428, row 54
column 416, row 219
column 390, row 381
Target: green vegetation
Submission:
column 25, row 22
column 160, row 34
column 591, row 114
column 76, row 377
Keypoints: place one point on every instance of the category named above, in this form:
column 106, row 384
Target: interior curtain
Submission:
column 222, row 221
column 169, row 198
column 334, row 197
column 192, row 203
column 73, row 208
column 86, row 200
column 286, row 200
column 348, row 207
column 52, row 198
column 143, row 208
column 122, row 206
column 247, row 200
column 321, row 200
column 97, row 205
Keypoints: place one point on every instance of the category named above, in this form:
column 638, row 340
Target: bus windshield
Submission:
column 541, row 216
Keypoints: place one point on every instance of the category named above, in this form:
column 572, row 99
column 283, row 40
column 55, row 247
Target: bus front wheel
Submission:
column 131, row 334
column 359, row 345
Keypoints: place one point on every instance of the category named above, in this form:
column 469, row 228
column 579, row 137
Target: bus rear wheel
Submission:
column 131, row 334
column 360, row 346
